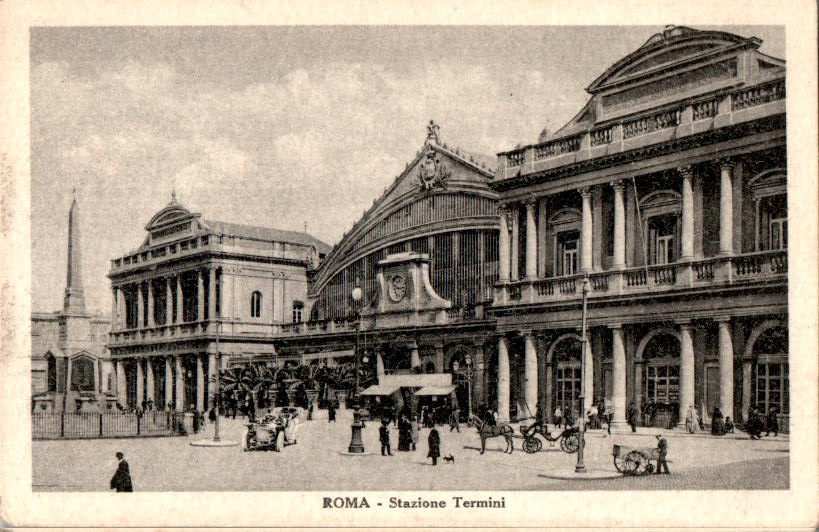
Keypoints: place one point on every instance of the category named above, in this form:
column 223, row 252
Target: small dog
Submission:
column 450, row 459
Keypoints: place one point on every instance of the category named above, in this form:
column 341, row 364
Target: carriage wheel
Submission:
column 638, row 461
column 570, row 444
column 278, row 443
column 532, row 445
column 625, row 465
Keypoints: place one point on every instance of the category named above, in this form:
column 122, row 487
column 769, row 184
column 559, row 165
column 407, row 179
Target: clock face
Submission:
column 398, row 288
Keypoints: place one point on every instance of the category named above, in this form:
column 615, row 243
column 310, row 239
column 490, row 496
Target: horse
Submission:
column 485, row 430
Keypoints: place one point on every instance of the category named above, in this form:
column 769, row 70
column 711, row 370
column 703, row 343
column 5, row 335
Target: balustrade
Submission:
column 758, row 95
column 557, row 147
column 516, row 158
column 514, row 292
column 599, row 282
column 648, row 124
column 568, row 286
column 664, row 274
column 598, row 137
column 635, row 278
column 705, row 109
column 703, row 271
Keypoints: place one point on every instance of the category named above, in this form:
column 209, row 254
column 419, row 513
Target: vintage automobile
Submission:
column 275, row 430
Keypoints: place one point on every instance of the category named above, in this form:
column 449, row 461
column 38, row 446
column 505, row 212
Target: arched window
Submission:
column 256, row 304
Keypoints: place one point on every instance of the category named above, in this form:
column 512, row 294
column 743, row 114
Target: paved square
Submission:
column 318, row 462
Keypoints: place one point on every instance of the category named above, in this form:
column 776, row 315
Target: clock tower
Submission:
column 404, row 294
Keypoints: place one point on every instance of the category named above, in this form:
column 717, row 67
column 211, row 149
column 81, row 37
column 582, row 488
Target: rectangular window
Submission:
column 778, row 231
column 568, row 246
column 298, row 311
column 772, row 387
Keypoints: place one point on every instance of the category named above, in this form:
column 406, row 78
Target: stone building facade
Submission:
column 425, row 258
column 667, row 194
column 195, row 288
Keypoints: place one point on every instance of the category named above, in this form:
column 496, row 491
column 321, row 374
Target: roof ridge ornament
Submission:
column 433, row 133
column 432, row 172
column 173, row 198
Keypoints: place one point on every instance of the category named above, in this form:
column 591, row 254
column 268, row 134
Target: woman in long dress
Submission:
column 691, row 420
column 717, row 423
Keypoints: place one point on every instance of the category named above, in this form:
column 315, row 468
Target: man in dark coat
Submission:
column 384, row 437
column 631, row 415
column 331, row 412
column 121, row 481
column 434, row 442
column 771, row 423
column 662, row 453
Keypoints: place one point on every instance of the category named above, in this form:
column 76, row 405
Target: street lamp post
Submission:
column 581, row 467
column 356, row 443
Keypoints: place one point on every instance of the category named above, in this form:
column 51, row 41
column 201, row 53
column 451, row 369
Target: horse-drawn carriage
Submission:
column 631, row 462
column 274, row 431
column 569, row 438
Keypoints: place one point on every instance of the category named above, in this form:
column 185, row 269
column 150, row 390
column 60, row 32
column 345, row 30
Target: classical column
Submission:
column 379, row 364
column 542, row 222
column 415, row 359
column 618, row 374
column 588, row 380
column 638, row 384
column 140, row 307
column 726, row 368
column 212, row 380
column 478, row 365
column 200, row 384
column 686, row 370
column 619, row 261
column 180, row 384
column 687, row 244
column 439, row 357
column 140, row 384
column 169, row 318
column 168, row 382
column 150, row 394
column 547, row 376
column 503, row 380
column 212, row 293
column 151, row 302
column 726, row 210
column 530, row 373
column 114, row 309
column 747, row 381
column 515, row 269
column 503, row 244
column 180, row 300
column 586, row 249
column 531, row 239
column 122, row 384
column 200, row 296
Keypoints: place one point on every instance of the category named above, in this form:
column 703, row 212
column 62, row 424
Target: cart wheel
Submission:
column 532, row 445
column 570, row 444
column 625, row 465
column 640, row 462
column 278, row 444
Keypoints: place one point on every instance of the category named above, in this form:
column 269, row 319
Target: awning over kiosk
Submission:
column 436, row 390
column 381, row 389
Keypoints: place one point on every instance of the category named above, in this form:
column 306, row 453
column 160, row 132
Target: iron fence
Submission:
column 74, row 425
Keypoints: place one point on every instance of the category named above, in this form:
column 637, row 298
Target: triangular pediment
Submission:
column 437, row 169
column 674, row 47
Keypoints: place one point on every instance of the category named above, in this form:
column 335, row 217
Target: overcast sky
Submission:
column 277, row 126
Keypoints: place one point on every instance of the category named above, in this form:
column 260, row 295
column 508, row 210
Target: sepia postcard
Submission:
column 437, row 264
